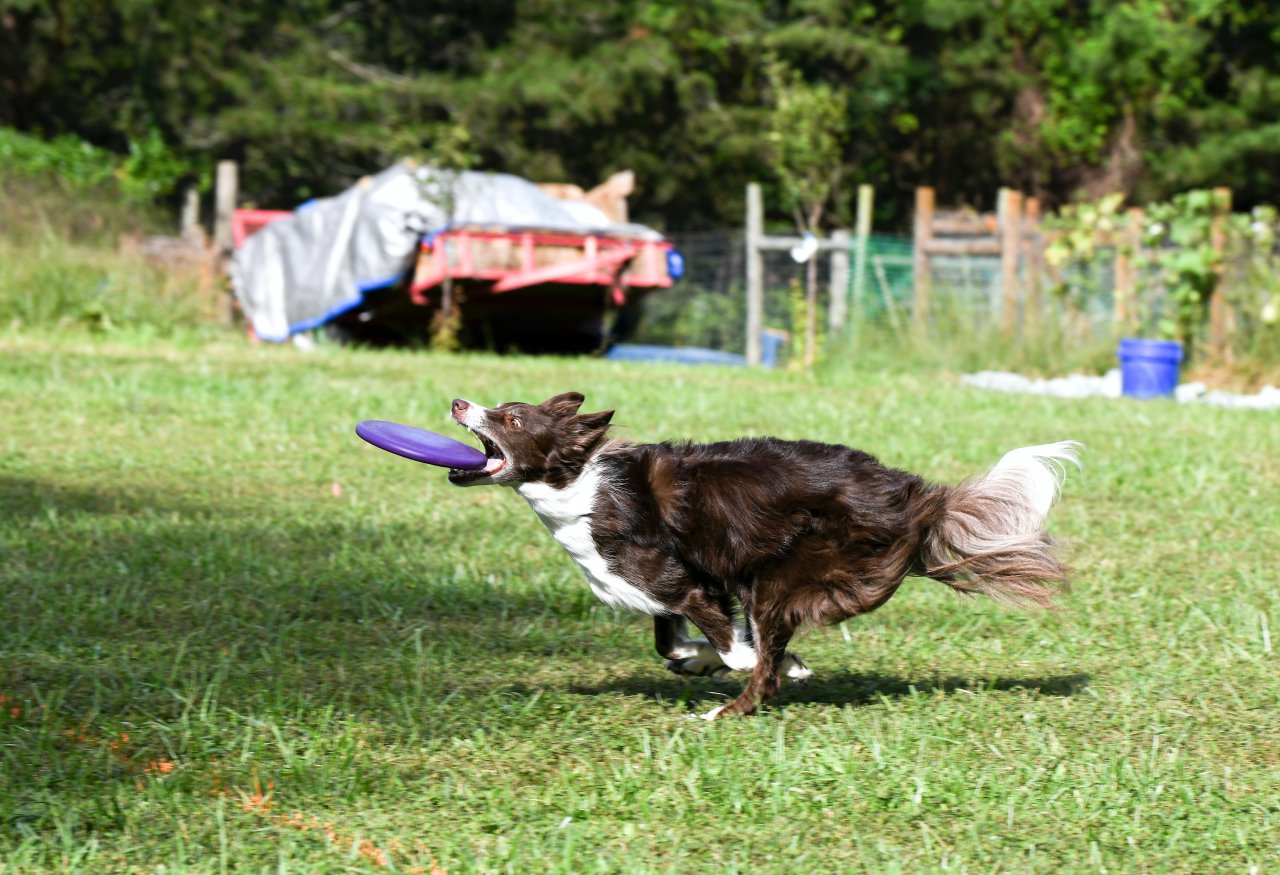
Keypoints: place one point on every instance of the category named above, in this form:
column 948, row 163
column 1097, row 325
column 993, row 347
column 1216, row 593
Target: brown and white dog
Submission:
column 750, row 539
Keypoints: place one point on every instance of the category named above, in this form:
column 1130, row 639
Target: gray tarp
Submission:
column 303, row 270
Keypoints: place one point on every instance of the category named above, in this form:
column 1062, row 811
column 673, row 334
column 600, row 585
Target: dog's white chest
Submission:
column 567, row 515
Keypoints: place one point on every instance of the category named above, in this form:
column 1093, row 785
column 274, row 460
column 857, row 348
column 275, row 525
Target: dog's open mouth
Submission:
column 495, row 461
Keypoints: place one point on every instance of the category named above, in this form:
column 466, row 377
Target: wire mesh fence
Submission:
column 1074, row 302
column 707, row 308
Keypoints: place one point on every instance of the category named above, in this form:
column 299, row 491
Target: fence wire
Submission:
column 707, row 308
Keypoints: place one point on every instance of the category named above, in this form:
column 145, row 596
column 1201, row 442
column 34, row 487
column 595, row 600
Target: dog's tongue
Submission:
column 493, row 466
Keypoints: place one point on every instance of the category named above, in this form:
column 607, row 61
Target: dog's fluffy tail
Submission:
column 990, row 537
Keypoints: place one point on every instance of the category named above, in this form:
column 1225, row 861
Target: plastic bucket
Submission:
column 771, row 343
column 1149, row 368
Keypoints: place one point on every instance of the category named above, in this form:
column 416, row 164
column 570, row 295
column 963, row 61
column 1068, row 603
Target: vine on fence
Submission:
column 1179, row 247
column 1183, row 252
column 1077, row 230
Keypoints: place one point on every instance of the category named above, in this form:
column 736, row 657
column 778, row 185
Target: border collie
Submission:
column 750, row 539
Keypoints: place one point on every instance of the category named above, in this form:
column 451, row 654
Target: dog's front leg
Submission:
column 684, row 655
column 722, row 650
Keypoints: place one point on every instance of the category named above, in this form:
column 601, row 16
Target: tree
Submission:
column 805, row 131
column 1052, row 96
column 446, row 158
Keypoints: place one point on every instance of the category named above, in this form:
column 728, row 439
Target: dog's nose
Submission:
column 459, row 407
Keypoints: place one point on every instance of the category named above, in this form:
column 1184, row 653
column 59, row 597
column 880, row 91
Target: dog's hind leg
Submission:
column 792, row 666
column 698, row 657
column 773, row 631
column 668, row 636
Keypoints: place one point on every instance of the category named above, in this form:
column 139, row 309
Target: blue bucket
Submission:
column 1149, row 368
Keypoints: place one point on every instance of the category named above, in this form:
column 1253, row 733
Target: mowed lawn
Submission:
column 237, row 639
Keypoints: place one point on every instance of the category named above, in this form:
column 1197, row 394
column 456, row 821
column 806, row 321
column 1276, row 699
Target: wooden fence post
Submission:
column 922, row 235
column 1126, row 281
column 755, row 273
column 1220, row 318
column 838, row 312
column 1032, row 248
column 225, row 194
column 190, row 221
column 1009, row 216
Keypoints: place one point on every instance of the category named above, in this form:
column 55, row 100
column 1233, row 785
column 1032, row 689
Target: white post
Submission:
column 190, row 223
column 838, row 312
column 755, row 273
column 862, row 228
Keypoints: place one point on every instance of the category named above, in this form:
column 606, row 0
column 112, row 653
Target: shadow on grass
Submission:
column 22, row 497
column 836, row 688
column 131, row 601
column 308, row 608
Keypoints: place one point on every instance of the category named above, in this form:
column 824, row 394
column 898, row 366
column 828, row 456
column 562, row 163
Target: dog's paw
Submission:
column 793, row 667
column 713, row 713
column 689, row 648
column 697, row 666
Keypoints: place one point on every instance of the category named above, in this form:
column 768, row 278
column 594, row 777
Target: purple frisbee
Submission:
column 420, row 445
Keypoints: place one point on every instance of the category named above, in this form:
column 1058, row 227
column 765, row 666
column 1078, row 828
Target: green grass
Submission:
column 54, row 282
column 197, row 553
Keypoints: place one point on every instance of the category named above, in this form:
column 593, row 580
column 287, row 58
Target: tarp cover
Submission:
column 305, row 269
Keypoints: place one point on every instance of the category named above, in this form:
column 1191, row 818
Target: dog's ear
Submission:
column 595, row 421
column 566, row 404
column 590, row 429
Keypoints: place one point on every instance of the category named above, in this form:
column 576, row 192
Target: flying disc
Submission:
column 420, row 445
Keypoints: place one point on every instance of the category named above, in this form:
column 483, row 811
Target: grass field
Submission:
column 236, row 639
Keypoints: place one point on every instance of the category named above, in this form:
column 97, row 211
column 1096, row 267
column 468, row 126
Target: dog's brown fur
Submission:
column 786, row 532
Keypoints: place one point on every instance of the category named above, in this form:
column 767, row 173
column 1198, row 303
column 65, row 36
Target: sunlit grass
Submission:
column 350, row 665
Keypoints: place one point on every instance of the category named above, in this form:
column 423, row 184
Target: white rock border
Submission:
column 1108, row 386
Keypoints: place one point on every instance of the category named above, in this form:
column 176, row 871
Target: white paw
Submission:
column 741, row 657
column 696, row 659
column 697, row 667
column 713, row 713
column 793, row 667
column 689, row 648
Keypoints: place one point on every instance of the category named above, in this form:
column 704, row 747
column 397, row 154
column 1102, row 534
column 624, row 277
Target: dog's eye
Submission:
column 514, row 422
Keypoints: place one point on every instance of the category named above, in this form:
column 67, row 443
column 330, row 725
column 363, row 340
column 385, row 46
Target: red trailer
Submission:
column 538, row 291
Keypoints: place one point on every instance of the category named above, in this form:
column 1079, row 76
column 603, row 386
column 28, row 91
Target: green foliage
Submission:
column 1054, row 97
column 69, row 160
column 1076, row 231
column 1080, row 226
column 149, row 171
column 806, row 125
column 1188, row 247
column 1252, row 278
column 1179, row 246
column 152, row 170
